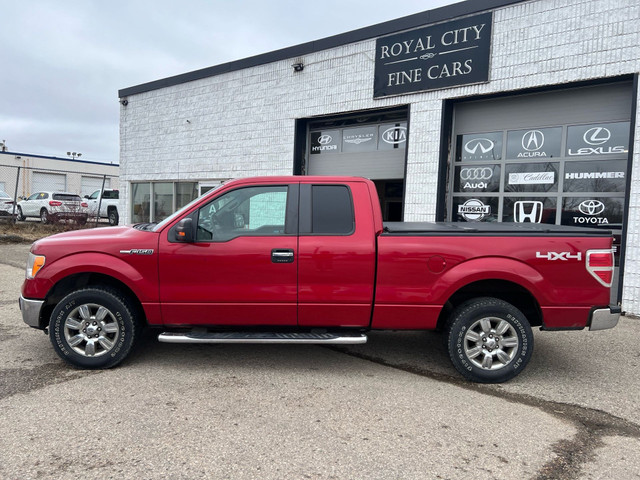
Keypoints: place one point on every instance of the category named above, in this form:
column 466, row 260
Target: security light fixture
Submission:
column 298, row 67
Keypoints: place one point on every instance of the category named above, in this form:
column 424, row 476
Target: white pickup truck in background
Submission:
column 108, row 206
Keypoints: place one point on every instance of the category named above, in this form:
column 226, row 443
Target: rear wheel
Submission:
column 20, row 216
column 44, row 216
column 113, row 217
column 489, row 340
column 93, row 328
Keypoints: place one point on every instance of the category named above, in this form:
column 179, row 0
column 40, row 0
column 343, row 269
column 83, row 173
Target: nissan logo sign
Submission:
column 533, row 140
column 597, row 136
column 484, row 144
column 480, row 173
column 324, row 139
column 591, row 207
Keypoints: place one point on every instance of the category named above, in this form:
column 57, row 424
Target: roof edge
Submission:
column 415, row 20
column 93, row 162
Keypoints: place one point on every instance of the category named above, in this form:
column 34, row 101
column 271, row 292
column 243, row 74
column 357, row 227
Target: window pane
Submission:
column 163, row 200
column 245, row 211
column 185, row 192
column 332, row 210
column 140, row 202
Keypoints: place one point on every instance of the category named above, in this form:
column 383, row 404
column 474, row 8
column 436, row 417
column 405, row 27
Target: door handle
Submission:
column 282, row 255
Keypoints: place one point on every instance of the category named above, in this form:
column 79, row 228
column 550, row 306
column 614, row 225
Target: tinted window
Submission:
column 332, row 209
column 113, row 194
column 66, row 198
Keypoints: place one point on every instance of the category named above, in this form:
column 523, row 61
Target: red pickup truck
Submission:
column 308, row 260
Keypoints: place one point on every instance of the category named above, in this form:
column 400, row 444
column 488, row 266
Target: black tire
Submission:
column 83, row 220
column 489, row 340
column 44, row 216
column 20, row 216
column 93, row 328
column 114, row 218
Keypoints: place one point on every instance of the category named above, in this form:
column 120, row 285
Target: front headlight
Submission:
column 34, row 264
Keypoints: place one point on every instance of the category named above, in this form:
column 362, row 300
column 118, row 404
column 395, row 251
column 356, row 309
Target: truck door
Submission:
column 336, row 255
column 241, row 268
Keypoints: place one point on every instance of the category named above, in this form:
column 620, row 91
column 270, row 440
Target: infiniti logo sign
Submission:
column 597, row 136
column 483, row 144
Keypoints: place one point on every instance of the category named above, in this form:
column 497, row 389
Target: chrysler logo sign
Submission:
column 591, row 207
column 483, row 144
column 597, row 136
column 532, row 140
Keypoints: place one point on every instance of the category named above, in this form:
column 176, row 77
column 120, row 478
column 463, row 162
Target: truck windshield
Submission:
column 173, row 216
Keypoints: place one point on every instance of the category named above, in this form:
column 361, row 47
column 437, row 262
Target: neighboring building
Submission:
column 37, row 172
column 485, row 110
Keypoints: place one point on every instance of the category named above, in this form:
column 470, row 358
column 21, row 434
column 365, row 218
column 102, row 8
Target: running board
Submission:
column 263, row 337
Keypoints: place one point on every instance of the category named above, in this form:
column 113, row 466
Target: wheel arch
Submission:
column 510, row 292
column 78, row 281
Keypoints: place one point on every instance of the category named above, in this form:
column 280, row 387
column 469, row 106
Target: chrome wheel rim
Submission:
column 491, row 343
column 91, row 330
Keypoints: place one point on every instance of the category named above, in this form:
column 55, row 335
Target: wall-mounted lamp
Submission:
column 298, row 67
column 124, row 102
column 74, row 155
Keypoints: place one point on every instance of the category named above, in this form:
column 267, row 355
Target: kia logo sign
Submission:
column 533, row 140
column 483, row 144
column 597, row 136
column 395, row 135
column 324, row 139
column 591, row 207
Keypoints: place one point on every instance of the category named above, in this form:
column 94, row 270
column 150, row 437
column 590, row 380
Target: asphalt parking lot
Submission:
column 392, row 408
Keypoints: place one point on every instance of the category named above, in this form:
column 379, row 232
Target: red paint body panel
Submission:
column 332, row 280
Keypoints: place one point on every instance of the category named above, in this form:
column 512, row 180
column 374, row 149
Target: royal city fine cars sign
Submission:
column 439, row 56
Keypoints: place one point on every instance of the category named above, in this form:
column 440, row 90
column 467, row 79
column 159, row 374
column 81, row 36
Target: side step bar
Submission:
column 263, row 337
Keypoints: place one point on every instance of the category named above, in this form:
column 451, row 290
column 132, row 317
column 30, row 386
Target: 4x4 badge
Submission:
column 560, row 255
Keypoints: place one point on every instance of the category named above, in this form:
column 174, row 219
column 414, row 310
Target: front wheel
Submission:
column 44, row 216
column 489, row 340
column 93, row 328
column 20, row 216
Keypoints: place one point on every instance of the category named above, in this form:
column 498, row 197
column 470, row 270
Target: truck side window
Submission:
column 332, row 210
column 242, row 212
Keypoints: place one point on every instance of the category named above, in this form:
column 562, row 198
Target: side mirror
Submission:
column 86, row 196
column 184, row 230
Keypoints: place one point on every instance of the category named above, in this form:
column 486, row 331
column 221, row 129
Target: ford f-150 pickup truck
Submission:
column 306, row 259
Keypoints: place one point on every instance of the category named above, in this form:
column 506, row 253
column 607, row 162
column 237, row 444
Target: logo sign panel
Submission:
column 529, row 210
column 326, row 141
column 607, row 176
column 598, row 139
column 593, row 212
column 534, row 143
column 392, row 136
column 361, row 139
column 477, row 178
column 439, row 56
column 476, row 209
column 479, row 147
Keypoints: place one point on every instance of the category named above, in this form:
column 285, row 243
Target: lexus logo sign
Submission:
column 591, row 207
column 533, row 140
column 483, row 144
column 597, row 136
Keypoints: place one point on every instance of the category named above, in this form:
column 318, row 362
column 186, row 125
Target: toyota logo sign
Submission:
column 591, row 207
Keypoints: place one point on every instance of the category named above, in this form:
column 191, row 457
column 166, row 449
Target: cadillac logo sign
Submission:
column 439, row 56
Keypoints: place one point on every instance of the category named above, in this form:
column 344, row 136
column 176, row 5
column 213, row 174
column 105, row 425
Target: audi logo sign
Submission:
column 478, row 173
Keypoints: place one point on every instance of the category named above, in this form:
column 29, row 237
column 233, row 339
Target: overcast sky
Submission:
column 63, row 62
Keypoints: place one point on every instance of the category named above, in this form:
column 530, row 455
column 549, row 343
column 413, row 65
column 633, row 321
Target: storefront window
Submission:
column 185, row 192
column 167, row 198
column 140, row 202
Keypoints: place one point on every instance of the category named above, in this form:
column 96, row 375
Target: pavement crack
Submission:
column 571, row 454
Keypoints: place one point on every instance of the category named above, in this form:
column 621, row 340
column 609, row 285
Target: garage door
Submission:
column 91, row 184
column 44, row 181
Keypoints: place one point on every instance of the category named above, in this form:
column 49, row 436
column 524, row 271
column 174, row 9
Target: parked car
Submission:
column 6, row 205
column 309, row 260
column 54, row 206
column 108, row 205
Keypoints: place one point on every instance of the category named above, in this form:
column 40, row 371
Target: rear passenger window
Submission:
column 332, row 209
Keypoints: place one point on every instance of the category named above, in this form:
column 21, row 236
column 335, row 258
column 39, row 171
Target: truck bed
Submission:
column 488, row 229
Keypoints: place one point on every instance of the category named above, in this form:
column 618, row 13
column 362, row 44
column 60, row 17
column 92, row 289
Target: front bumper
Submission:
column 31, row 311
column 604, row 318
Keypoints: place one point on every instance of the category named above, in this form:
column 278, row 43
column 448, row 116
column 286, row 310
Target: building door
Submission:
column 48, row 182
column 371, row 145
column 560, row 157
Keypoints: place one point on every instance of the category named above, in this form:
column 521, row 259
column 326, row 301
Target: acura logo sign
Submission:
column 533, row 140
column 591, row 207
column 483, row 144
column 597, row 136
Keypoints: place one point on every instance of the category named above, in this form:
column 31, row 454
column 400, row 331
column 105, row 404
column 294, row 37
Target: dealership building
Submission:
column 484, row 110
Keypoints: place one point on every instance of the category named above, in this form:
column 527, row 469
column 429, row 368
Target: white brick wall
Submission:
column 242, row 123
